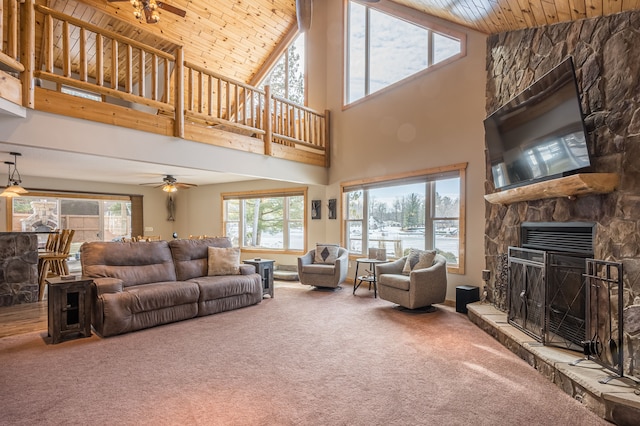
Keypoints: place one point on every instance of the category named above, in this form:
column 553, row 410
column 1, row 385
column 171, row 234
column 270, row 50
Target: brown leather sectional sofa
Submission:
column 144, row 284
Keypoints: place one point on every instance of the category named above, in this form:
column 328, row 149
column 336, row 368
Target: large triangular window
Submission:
column 383, row 49
column 288, row 75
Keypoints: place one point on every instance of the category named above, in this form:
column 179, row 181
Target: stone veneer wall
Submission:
column 18, row 268
column 606, row 54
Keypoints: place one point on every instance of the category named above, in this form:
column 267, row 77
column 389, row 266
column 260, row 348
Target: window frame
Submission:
column 406, row 14
column 281, row 50
column 248, row 195
column 431, row 175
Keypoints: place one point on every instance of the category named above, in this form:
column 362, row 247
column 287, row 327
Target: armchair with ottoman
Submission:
column 326, row 266
column 414, row 281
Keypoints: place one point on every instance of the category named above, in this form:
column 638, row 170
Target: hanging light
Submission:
column 169, row 187
column 14, row 179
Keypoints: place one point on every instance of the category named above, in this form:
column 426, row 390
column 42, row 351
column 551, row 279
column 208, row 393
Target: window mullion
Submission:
column 429, row 48
column 429, row 212
column 367, row 50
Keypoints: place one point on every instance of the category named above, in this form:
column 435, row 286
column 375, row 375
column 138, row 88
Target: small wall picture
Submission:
column 332, row 208
column 316, row 209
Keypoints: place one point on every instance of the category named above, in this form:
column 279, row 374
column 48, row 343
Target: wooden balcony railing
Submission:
column 82, row 70
column 11, row 87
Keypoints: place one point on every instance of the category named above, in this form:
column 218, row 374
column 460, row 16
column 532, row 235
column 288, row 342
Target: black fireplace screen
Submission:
column 547, row 296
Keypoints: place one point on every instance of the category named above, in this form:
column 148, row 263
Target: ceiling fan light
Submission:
column 169, row 187
column 137, row 14
column 155, row 17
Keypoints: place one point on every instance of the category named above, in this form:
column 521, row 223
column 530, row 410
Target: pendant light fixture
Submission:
column 14, row 179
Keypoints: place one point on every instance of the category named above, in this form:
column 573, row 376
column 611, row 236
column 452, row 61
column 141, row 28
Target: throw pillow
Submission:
column 326, row 253
column 223, row 261
column 418, row 259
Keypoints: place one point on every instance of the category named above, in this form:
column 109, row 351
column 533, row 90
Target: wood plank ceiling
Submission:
column 237, row 37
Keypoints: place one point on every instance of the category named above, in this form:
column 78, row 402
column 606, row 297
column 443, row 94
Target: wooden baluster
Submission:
column 200, row 93
column 48, row 58
column 66, row 50
column 128, row 85
column 12, row 42
column 190, row 91
column 83, row 55
column 228, row 100
column 219, row 99
column 210, row 96
column 142, row 73
column 236, row 107
column 114, row 64
column 154, row 77
column 12, row 30
column 268, row 136
column 99, row 60
column 167, row 80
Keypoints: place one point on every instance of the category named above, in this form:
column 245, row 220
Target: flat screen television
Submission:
column 539, row 134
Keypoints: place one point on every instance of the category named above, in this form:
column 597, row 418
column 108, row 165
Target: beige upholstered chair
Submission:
column 419, row 289
column 323, row 274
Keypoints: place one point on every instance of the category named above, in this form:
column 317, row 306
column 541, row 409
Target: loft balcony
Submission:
column 63, row 65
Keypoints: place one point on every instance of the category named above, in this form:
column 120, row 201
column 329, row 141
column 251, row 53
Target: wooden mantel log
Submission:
column 568, row 186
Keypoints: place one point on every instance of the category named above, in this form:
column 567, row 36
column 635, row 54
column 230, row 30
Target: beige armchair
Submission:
column 421, row 288
column 323, row 274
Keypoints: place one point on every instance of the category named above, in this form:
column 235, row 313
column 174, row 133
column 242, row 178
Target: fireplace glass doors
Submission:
column 547, row 296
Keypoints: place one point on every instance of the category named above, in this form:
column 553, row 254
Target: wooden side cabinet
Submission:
column 264, row 267
column 69, row 308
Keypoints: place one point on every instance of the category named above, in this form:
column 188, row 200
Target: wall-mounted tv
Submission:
column 540, row 133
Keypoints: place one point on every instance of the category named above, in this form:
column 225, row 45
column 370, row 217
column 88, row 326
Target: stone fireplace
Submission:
column 606, row 55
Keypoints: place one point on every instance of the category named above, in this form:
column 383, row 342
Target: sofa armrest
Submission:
column 394, row 267
column 247, row 269
column 107, row 285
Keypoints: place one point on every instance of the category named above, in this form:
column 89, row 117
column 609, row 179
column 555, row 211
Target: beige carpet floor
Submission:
column 305, row 357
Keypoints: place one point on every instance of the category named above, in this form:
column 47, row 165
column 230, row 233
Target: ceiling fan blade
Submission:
column 171, row 9
column 185, row 185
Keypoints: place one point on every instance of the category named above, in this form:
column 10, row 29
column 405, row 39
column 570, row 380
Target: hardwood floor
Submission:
column 23, row 318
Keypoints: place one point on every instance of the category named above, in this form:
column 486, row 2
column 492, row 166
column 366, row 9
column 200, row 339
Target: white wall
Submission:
column 443, row 110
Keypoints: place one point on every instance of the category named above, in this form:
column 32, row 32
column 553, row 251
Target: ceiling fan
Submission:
column 171, row 184
column 150, row 9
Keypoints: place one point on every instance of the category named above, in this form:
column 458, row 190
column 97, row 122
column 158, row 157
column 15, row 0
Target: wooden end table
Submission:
column 69, row 308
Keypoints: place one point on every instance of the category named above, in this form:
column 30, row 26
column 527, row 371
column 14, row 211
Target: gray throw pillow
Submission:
column 418, row 259
column 326, row 253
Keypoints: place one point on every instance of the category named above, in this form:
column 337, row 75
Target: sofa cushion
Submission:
column 401, row 282
column 418, row 259
column 133, row 263
column 326, row 253
column 223, row 261
column 191, row 256
column 221, row 286
column 150, row 297
column 318, row 268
